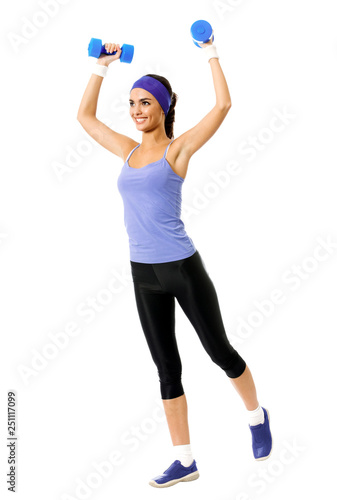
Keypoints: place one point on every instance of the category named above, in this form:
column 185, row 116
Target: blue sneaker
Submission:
column 174, row 474
column 262, row 438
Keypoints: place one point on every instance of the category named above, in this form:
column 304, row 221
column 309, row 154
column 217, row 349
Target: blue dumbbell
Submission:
column 96, row 48
column 201, row 32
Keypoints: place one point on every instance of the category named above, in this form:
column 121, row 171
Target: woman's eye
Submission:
column 144, row 102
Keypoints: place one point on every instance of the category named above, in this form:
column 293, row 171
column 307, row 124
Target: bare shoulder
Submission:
column 116, row 143
column 127, row 146
column 178, row 157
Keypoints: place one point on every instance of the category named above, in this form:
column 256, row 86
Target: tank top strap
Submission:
column 167, row 148
column 131, row 152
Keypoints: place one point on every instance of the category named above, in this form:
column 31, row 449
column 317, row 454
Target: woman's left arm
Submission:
column 223, row 99
column 193, row 139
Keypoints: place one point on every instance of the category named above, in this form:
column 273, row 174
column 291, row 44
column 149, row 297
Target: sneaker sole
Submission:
column 189, row 477
column 271, row 449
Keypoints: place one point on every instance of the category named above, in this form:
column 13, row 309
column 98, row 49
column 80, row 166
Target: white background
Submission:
column 63, row 241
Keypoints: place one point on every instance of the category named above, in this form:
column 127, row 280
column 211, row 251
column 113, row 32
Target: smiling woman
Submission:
column 165, row 101
column 164, row 260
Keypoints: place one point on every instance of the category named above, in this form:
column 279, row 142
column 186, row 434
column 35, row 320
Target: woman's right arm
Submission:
column 118, row 144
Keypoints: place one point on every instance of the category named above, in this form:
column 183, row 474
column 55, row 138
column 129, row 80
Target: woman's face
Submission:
column 145, row 110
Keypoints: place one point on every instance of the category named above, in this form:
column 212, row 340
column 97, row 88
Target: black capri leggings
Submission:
column 156, row 286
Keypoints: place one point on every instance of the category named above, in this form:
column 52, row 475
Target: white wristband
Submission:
column 100, row 69
column 210, row 51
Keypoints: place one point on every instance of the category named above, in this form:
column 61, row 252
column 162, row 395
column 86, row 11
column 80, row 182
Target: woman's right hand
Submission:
column 106, row 59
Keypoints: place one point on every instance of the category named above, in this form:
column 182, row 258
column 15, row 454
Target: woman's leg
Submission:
column 177, row 419
column 156, row 309
column 244, row 384
column 156, row 313
column 197, row 297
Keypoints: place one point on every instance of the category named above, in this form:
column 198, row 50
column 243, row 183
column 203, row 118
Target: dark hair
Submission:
column 170, row 117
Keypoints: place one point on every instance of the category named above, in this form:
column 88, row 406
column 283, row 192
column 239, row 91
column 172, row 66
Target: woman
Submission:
column 164, row 261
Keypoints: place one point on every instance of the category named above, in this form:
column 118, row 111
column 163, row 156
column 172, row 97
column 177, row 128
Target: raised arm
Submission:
column 192, row 140
column 118, row 144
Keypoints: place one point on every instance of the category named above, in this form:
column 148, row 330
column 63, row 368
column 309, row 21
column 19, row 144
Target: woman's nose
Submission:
column 137, row 109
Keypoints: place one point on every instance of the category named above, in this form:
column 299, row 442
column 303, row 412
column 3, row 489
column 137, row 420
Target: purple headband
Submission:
column 157, row 89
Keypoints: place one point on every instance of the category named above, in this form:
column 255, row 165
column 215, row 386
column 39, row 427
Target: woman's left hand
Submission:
column 205, row 44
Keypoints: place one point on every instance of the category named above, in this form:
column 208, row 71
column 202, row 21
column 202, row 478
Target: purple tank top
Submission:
column 152, row 209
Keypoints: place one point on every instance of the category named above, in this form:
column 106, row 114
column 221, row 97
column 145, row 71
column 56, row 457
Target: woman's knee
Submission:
column 232, row 363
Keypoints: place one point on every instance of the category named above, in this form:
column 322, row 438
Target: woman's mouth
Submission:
column 140, row 120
